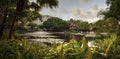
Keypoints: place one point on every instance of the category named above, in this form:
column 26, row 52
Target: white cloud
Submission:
column 85, row 15
column 64, row 11
column 94, row 9
column 82, row 12
column 76, row 11
column 59, row 11
column 83, row 1
column 91, row 20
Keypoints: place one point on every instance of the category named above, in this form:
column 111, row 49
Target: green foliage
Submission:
column 107, row 48
column 71, row 50
column 19, row 49
column 83, row 25
column 77, row 25
column 113, row 10
column 55, row 24
column 32, row 24
column 109, row 25
column 16, row 12
column 111, row 16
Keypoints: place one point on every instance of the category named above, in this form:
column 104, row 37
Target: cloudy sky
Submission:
column 85, row 10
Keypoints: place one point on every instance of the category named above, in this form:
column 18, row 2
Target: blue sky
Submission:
column 85, row 10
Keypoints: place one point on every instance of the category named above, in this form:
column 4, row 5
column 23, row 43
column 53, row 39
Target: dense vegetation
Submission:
column 55, row 24
column 107, row 48
column 14, row 13
column 109, row 25
column 17, row 14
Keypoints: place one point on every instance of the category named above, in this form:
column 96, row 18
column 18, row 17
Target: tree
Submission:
column 113, row 10
column 12, row 11
column 55, row 24
column 73, row 24
column 83, row 25
column 98, row 26
column 111, row 15
column 32, row 25
column 112, row 25
column 6, row 9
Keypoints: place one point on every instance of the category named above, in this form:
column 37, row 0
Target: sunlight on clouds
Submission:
column 64, row 11
column 94, row 8
column 86, row 13
column 83, row 1
column 76, row 11
column 81, row 12
column 91, row 20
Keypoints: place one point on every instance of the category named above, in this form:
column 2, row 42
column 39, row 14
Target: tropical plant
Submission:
column 21, row 49
column 14, row 11
column 108, row 48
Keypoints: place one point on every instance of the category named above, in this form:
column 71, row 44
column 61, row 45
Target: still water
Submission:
column 58, row 37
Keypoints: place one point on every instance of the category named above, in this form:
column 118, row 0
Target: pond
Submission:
column 58, row 37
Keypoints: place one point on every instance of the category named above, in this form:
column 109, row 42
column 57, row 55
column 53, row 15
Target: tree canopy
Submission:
column 14, row 11
column 83, row 25
column 55, row 24
column 113, row 9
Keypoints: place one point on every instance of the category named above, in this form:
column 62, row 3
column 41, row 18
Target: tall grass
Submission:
column 108, row 48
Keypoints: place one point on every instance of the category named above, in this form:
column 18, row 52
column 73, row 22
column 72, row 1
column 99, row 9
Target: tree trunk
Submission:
column 3, row 23
column 20, row 7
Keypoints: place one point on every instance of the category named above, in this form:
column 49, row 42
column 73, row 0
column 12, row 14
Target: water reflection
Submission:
column 58, row 37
